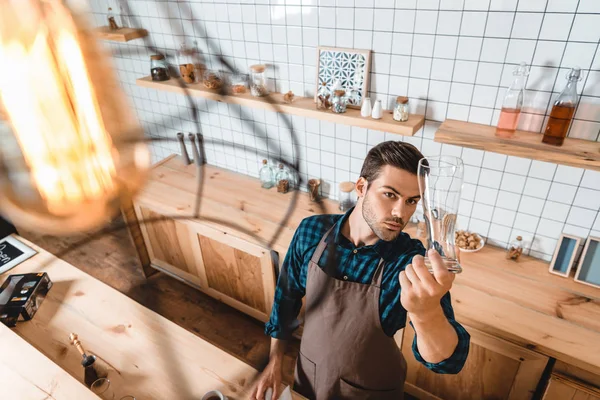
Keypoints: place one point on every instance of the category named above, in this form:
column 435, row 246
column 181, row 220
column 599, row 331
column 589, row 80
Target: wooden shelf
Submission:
column 120, row 35
column 574, row 152
column 302, row 106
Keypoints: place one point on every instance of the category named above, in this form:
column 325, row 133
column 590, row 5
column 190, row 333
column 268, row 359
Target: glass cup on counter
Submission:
column 347, row 196
column 440, row 182
column 102, row 387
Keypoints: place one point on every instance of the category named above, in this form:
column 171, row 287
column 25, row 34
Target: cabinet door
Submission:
column 563, row 388
column 495, row 369
column 171, row 245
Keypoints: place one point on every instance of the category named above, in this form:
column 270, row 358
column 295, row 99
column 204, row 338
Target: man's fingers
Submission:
column 404, row 281
column 440, row 271
column 411, row 275
column 421, row 270
column 276, row 393
column 260, row 393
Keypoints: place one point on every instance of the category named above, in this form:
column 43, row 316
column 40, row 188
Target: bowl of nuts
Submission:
column 468, row 242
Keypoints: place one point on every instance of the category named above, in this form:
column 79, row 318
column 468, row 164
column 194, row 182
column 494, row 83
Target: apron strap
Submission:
column 378, row 277
column 321, row 247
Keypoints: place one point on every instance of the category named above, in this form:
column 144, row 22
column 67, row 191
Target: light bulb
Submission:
column 70, row 149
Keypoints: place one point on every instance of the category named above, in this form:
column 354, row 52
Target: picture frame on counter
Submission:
column 588, row 270
column 13, row 252
column 351, row 67
column 564, row 255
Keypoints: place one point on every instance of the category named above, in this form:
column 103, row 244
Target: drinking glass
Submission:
column 440, row 181
column 102, row 388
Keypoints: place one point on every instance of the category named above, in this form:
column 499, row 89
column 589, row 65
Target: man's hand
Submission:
column 270, row 378
column 421, row 290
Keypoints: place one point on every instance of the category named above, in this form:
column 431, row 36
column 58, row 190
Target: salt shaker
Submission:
column 365, row 109
column 377, row 112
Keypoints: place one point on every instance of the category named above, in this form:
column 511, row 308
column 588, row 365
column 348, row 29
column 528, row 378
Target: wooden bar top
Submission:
column 147, row 355
column 518, row 301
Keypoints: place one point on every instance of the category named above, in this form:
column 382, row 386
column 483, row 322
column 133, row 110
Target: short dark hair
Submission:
column 397, row 154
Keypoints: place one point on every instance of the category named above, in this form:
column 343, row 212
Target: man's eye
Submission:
column 389, row 195
column 412, row 202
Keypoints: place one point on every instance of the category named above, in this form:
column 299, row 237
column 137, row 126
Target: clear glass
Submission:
column 112, row 20
column 313, row 189
column 103, row 389
column 324, row 97
column 347, row 198
column 258, row 81
column 441, row 183
column 159, row 69
column 187, row 68
column 212, row 80
column 401, row 112
column 239, row 83
column 339, row 102
column 267, row 180
column 283, row 180
column 563, row 111
column 513, row 103
column 515, row 249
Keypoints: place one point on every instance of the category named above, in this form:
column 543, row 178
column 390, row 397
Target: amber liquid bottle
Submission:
column 562, row 111
column 512, row 104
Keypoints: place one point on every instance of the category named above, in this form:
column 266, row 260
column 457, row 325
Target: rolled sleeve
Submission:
column 454, row 363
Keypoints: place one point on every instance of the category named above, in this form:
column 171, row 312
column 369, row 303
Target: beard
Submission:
column 378, row 227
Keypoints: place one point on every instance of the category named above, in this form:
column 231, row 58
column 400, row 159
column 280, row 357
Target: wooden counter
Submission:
column 149, row 356
column 519, row 302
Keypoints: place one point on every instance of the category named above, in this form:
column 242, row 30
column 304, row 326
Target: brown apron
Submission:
column 344, row 353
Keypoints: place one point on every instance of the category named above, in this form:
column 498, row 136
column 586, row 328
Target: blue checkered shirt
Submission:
column 355, row 267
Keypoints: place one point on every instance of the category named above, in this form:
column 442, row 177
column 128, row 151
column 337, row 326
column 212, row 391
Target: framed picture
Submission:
column 350, row 66
column 564, row 255
column 13, row 252
column 588, row 270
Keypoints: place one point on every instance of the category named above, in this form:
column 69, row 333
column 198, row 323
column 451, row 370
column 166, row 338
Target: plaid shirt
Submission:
column 355, row 267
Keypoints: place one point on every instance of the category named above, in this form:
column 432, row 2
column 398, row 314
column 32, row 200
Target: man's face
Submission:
column 389, row 201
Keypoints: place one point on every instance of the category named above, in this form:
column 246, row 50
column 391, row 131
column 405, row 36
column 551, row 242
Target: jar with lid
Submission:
column 347, row 196
column 515, row 249
column 187, row 68
column 266, row 176
column 239, row 83
column 283, row 180
column 158, row 68
column 339, row 101
column 112, row 20
column 323, row 97
column 212, row 80
column 401, row 109
column 258, row 80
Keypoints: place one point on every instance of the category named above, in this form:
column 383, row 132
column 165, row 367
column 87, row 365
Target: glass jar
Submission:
column 515, row 249
column 283, row 180
column 323, row 97
column 258, row 80
column 158, row 68
column 187, row 69
column 266, row 176
column 401, row 109
column 354, row 97
column 112, row 20
column 239, row 83
column 347, row 196
column 339, row 101
column 212, row 80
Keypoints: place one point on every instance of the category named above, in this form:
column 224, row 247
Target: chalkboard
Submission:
column 13, row 252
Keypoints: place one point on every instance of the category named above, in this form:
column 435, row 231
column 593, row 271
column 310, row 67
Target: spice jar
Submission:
column 112, row 21
column 313, row 189
column 283, row 180
column 266, row 176
column 258, row 80
column 187, row 69
column 515, row 249
column 401, row 109
column 158, row 68
column 347, row 196
column 324, row 97
column 339, row 101
column 239, row 83
column 212, row 80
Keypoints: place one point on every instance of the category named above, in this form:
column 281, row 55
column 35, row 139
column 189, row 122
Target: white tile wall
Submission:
column 453, row 58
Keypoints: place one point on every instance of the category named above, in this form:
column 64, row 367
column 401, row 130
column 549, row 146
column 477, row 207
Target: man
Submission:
column 357, row 302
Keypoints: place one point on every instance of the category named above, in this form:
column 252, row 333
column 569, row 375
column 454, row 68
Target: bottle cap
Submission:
column 340, row 92
column 575, row 73
column 347, row 187
column 264, row 162
column 402, row 99
column 280, row 166
column 157, row 57
column 258, row 68
column 522, row 69
column 519, row 238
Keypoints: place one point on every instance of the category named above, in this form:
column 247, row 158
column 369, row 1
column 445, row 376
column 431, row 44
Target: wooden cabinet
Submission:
column 495, row 370
column 232, row 270
column 561, row 387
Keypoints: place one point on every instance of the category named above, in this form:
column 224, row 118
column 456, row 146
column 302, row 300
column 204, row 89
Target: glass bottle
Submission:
column 563, row 111
column 187, row 69
column 339, row 101
column 347, row 196
column 158, row 68
column 283, row 180
column 515, row 249
column 401, row 109
column 266, row 176
column 323, row 97
column 513, row 103
column 112, row 20
column 258, row 80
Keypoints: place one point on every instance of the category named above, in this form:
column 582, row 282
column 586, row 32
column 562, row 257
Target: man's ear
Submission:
column 361, row 187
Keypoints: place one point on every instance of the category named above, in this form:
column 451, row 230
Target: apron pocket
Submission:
column 305, row 377
column 349, row 391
